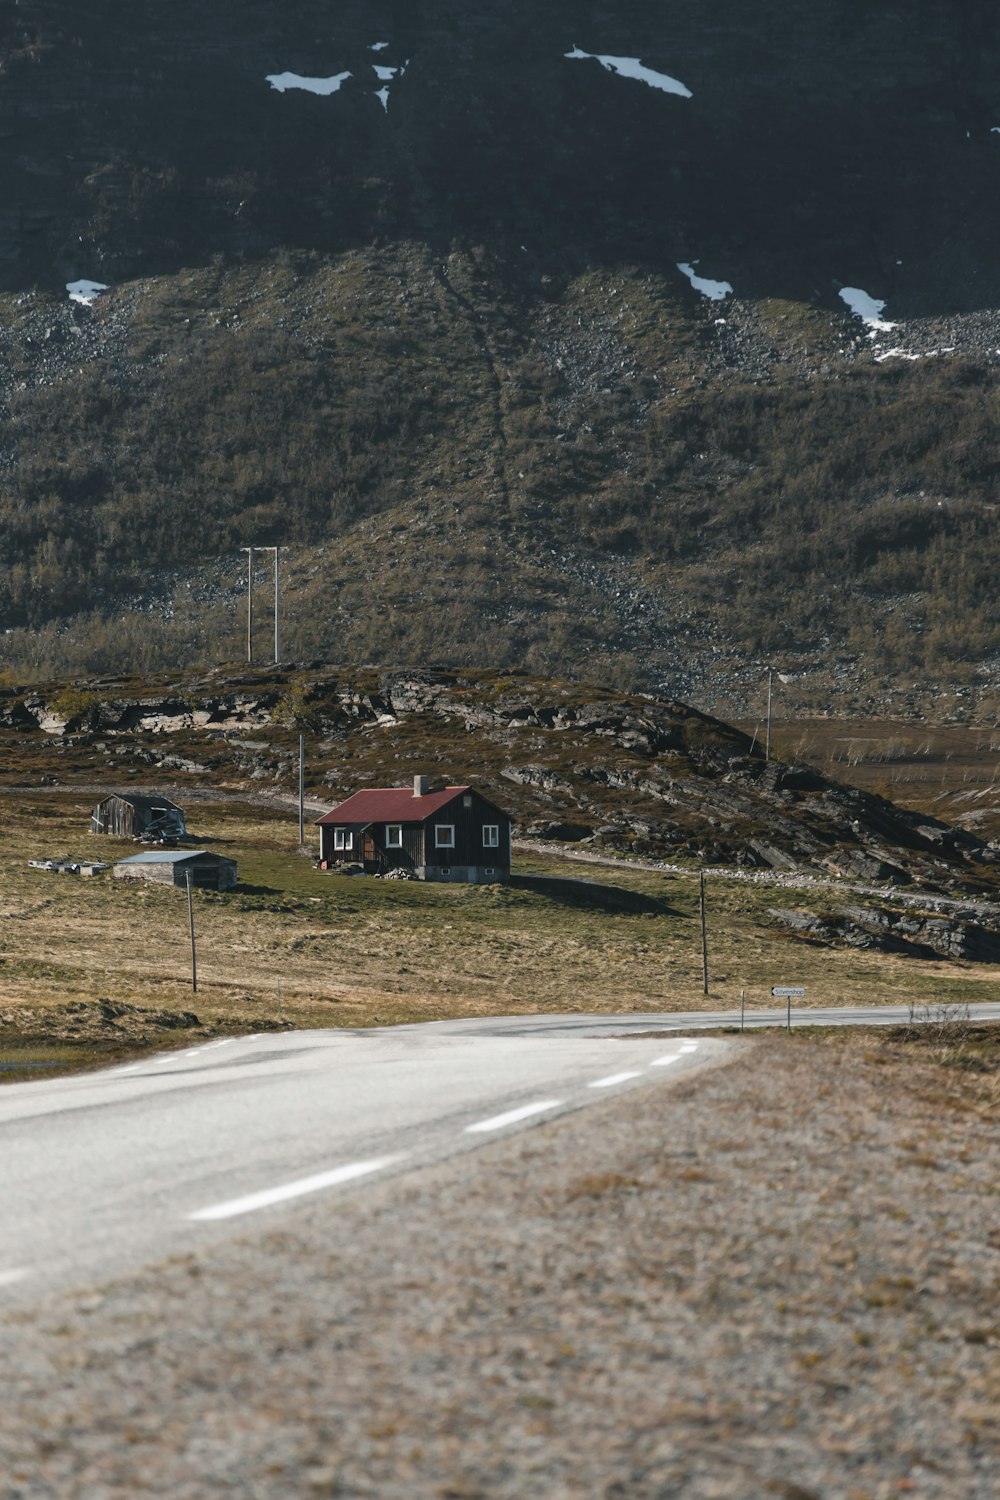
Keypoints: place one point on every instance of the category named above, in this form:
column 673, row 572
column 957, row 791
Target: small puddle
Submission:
column 22, row 1067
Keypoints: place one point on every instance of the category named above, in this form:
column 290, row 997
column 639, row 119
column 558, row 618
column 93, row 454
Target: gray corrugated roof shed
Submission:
column 167, row 856
column 136, row 799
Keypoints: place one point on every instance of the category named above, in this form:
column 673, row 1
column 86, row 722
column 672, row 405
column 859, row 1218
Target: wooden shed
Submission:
column 129, row 816
column 213, row 872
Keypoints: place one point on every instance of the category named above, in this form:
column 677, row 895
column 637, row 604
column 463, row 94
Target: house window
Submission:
column 489, row 870
column 342, row 839
column 394, row 835
column 444, row 835
column 491, row 835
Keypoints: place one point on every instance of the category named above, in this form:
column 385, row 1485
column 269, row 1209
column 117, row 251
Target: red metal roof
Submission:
column 393, row 804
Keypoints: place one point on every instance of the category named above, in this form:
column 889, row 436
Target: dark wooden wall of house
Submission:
column 419, row 840
column 469, row 821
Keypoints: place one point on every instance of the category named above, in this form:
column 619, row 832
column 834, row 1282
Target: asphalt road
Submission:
column 639, row 1023
column 104, row 1173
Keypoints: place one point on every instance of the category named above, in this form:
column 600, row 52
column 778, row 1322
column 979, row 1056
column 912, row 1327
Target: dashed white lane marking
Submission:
column 10, row 1278
column 170, row 1057
column 662, row 1062
column 611, row 1080
column 497, row 1122
column 297, row 1189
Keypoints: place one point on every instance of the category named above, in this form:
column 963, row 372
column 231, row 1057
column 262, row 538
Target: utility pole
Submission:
column 194, row 960
column 249, row 553
column 767, row 749
column 277, row 647
column 302, row 791
column 704, row 936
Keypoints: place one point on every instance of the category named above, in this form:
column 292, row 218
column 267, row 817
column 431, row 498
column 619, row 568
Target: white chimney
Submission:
column 420, row 786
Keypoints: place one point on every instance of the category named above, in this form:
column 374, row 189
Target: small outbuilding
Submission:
column 213, row 872
column 129, row 816
column 452, row 833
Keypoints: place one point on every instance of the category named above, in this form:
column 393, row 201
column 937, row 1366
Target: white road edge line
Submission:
column 611, row 1080
column 298, row 1189
column 662, row 1062
column 497, row 1122
column 10, row 1278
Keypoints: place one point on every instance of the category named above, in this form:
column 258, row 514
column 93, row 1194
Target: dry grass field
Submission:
column 354, row 951
column 951, row 770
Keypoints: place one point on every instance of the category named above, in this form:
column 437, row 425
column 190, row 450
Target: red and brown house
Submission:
column 451, row 834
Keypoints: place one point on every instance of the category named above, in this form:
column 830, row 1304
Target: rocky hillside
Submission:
column 633, row 774
column 613, row 341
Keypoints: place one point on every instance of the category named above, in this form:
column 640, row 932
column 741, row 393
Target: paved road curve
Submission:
column 105, row 1172
column 638, row 1023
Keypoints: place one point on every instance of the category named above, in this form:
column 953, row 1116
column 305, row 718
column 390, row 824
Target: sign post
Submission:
column 786, row 991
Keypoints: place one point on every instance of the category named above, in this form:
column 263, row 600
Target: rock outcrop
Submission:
column 638, row 774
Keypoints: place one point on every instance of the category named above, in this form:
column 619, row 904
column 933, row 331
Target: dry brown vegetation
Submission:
column 567, row 490
column 355, row 951
column 951, row 770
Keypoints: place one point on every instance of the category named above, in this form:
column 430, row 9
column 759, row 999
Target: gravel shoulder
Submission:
column 776, row 1278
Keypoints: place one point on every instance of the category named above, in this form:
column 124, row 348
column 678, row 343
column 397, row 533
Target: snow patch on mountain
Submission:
column 869, row 309
column 324, row 86
column 715, row 291
column 632, row 67
column 885, row 354
column 85, row 292
column 386, row 75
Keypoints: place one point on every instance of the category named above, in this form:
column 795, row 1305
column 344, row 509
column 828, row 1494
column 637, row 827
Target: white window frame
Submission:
column 491, row 835
column 444, row 835
column 343, row 839
column 394, row 835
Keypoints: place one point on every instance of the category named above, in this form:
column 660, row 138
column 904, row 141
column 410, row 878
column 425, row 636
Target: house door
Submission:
column 368, row 847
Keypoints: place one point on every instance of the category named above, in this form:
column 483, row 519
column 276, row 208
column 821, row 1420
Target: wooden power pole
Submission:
column 704, row 936
column 302, row 791
column 249, row 553
column 194, row 958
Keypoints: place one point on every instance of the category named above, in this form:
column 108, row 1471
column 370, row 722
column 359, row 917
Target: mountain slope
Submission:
column 436, row 340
